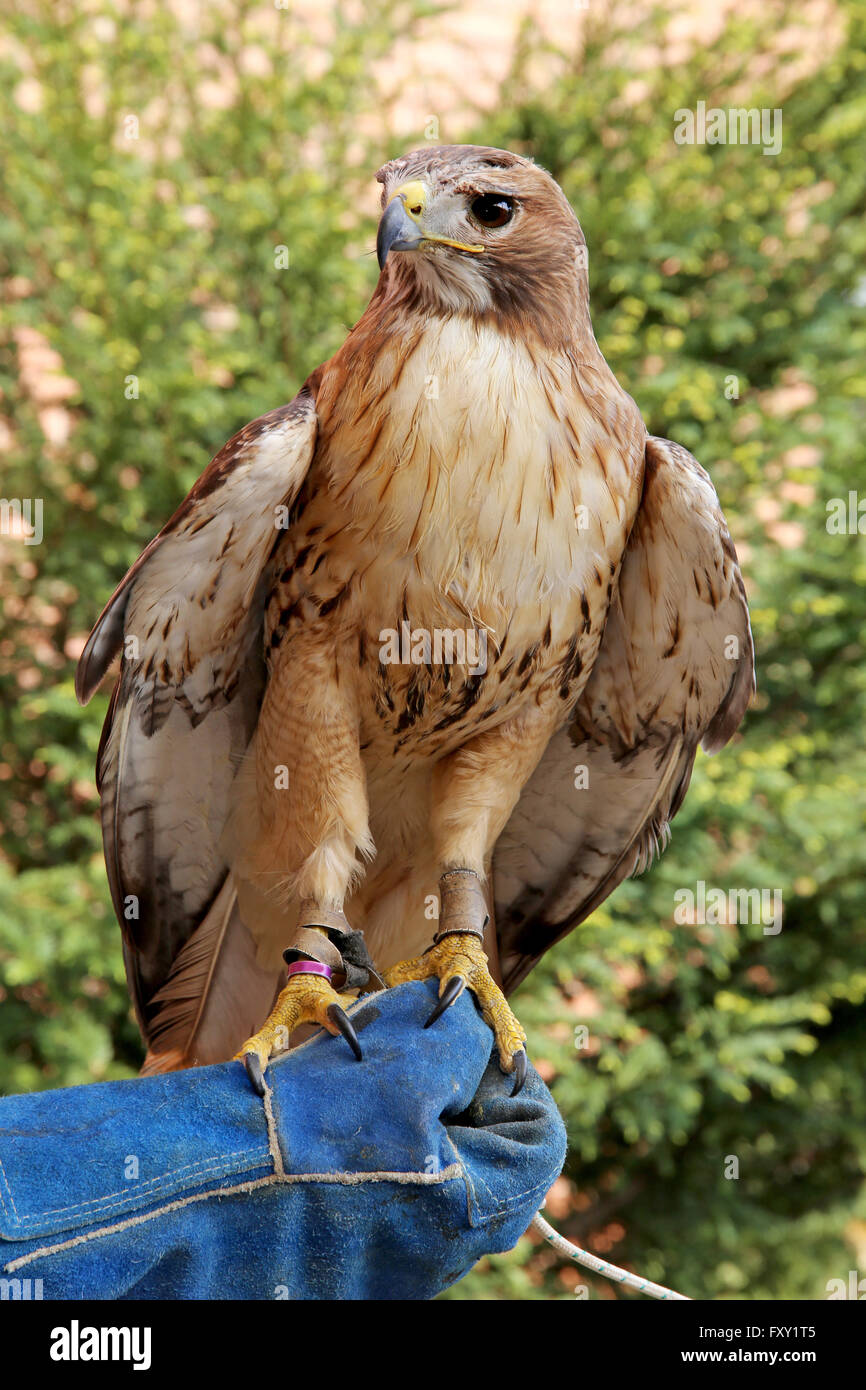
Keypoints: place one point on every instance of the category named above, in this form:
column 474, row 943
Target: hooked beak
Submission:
column 397, row 231
column 402, row 227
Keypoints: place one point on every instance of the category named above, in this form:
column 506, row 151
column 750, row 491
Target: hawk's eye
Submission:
column 492, row 209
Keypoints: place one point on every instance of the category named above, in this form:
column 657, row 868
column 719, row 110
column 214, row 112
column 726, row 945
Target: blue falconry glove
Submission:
column 387, row 1180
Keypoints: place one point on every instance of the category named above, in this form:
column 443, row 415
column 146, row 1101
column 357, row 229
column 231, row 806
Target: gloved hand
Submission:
column 382, row 1179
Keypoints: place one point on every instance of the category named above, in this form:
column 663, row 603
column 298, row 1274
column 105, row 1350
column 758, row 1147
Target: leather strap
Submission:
column 325, row 936
column 462, row 904
column 310, row 914
column 309, row 944
column 361, row 973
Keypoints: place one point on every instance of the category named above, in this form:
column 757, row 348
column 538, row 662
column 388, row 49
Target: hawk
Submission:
column 362, row 661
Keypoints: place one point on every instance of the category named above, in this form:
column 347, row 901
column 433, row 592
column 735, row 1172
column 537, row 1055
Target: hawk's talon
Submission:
column 519, row 1071
column 448, row 995
column 307, row 998
column 254, row 1072
column 340, row 1019
column 457, row 959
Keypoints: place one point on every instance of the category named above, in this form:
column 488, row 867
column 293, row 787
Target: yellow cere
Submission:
column 414, row 196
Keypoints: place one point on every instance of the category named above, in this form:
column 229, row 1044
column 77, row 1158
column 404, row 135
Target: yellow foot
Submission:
column 459, row 960
column 305, row 999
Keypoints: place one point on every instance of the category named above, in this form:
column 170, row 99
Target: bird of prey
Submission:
column 426, row 653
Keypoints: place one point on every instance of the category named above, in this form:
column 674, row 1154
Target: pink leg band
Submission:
column 309, row 967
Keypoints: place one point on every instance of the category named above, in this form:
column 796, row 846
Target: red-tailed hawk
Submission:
column 362, row 661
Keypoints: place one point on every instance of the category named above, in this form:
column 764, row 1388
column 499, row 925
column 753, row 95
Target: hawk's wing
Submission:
column 188, row 621
column 675, row 669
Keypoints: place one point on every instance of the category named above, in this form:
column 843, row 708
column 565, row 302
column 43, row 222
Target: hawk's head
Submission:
column 483, row 232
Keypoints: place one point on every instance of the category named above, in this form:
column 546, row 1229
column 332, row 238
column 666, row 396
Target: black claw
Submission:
column 449, row 995
column 519, row 1071
column 341, row 1020
column 254, row 1072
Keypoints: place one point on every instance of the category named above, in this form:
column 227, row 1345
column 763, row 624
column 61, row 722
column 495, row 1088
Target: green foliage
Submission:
column 706, row 263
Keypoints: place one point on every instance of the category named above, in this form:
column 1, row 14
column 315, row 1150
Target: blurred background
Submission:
column 187, row 216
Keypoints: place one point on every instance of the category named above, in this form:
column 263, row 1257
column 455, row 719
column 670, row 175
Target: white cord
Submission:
column 598, row 1266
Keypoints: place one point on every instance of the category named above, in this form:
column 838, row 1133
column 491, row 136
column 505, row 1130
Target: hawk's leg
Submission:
column 303, row 835
column 457, row 959
column 474, row 791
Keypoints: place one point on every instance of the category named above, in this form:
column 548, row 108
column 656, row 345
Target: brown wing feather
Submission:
column 215, row 996
column 675, row 669
column 189, row 616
